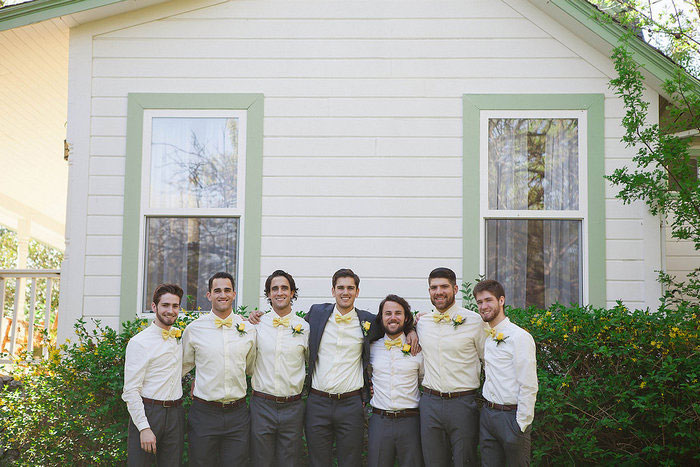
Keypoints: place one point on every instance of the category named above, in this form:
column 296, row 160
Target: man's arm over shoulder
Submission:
column 526, row 375
column 135, row 366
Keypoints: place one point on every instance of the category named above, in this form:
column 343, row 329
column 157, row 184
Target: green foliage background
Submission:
column 616, row 387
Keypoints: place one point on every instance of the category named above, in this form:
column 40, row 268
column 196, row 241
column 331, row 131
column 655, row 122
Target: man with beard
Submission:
column 394, row 427
column 276, row 408
column 222, row 348
column 510, row 388
column 152, row 385
column 453, row 342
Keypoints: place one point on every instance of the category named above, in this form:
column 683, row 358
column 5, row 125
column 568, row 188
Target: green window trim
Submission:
column 594, row 104
column 137, row 103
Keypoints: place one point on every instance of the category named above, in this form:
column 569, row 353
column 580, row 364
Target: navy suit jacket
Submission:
column 317, row 318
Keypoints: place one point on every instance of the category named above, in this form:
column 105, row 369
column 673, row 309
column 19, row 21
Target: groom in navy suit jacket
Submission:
column 338, row 359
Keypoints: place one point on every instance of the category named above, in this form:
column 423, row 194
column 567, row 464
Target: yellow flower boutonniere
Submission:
column 406, row 349
column 298, row 329
column 241, row 329
column 498, row 338
column 365, row 327
column 178, row 333
column 457, row 321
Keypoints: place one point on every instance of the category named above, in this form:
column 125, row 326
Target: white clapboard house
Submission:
column 388, row 136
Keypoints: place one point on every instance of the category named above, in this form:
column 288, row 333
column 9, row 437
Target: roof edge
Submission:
column 41, row 10
column 644, row 54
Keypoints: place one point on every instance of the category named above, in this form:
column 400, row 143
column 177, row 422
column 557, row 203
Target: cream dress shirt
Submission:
column 152, row 369
column 451, row 354
column 511, row 371
column 395, row 376
column 222, row 356
column 280, row 364
column 339, row 365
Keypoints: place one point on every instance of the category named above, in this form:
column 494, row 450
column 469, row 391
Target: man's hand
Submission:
column 412, row 340
column 418, row 316
column 254, row 317
column 148, row 440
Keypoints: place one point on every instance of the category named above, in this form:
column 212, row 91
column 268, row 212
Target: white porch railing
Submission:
column 10, row 323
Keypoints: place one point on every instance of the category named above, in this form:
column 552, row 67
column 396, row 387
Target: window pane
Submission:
column 537, row 261
column 187, row 251
column 533, row 164
column 194, row 162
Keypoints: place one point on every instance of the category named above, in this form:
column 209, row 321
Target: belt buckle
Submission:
column 166, row 404
column 392, row 413
column 337, row 396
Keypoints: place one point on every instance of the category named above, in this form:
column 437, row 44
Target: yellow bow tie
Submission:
column 276, row 321
column 174, row 332
column 343, row 318
column 490, row 331
column 228, row 322
column 393, row 343
column 441, row 317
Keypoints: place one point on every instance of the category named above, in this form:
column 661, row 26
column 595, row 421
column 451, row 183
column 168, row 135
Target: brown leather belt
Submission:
column 336, row 396
column 396, row 413
column 449, row 395
column 493, row 405
column 166, row 404
column 221, row 405
column 279, row 399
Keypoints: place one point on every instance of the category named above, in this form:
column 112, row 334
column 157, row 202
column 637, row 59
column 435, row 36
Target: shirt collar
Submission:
column 402, row 337
column 502, row 325
column 451, row 310
column 336, row 312
column 211, row 316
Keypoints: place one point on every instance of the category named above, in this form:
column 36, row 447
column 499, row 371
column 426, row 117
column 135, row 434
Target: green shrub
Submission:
column 69, row 410
column 615, row 386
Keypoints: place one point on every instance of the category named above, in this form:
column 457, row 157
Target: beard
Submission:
column 399, row 330
column 167, row 321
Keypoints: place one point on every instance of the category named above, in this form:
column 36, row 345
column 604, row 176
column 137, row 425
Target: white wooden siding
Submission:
column 363, row 130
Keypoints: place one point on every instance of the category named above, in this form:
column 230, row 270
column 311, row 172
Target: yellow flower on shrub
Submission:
column 643, row 384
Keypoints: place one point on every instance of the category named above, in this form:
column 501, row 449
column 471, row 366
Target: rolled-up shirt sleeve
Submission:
column 135, row 365
column 526, row 375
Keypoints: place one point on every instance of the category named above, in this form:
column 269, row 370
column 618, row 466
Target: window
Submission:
column 192, row 197
column 533, row 172
column 533, row 199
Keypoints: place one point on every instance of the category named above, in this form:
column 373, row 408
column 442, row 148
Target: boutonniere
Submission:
column 298, row 329
column 498, row 338
column 177, row 333
column 365, row 327
column 240, row 327
column 457, row 321
column 406, row 349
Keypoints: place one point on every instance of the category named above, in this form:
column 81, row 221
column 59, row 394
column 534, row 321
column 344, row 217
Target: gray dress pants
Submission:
column 218, row 437
column 168, row 425
column 392, row 439
column 501, row 440
column 329, row 419
column 449, row 430
column 275, row 432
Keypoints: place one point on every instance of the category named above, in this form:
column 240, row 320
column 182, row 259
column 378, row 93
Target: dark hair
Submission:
column 346, row 273
column 489, row 285
column 443, row 273
column 286, row 275
column 162, row 289
column 221, row 275
column 379, row 325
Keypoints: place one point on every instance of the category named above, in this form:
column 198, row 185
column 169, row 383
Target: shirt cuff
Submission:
column 142, row 425
column 522, row 427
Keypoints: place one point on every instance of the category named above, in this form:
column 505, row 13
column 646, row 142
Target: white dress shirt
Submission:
column 511, row 371
column 222, row 355
column 451, row 354
column 280, row 363
column 395, row 376
column 152, row 369
column 339, row 366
